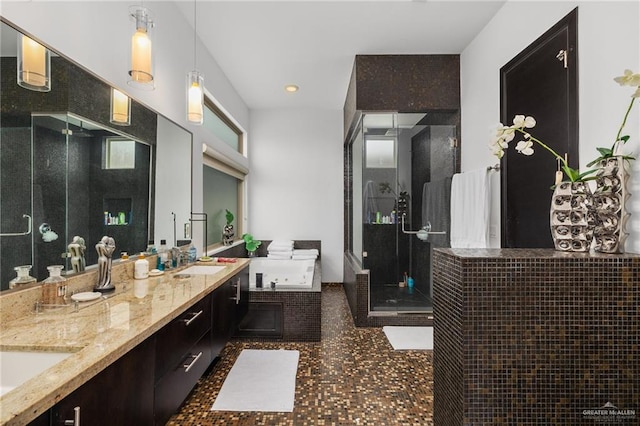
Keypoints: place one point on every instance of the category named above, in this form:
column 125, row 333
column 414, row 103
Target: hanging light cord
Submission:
column 195, row 31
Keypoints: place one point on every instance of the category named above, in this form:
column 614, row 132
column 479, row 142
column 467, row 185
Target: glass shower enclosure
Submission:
column 400, row 167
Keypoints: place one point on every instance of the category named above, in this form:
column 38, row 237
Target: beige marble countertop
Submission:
column 97, row 334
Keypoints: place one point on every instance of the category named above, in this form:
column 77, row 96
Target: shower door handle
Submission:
column 424, row 231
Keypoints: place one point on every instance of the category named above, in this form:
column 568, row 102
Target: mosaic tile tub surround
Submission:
column 536, row 337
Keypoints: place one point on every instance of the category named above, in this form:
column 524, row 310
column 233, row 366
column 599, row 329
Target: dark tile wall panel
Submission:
column 407, row 83
column 534, row 336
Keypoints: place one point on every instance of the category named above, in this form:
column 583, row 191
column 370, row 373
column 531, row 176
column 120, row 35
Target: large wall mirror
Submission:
column 67, row 171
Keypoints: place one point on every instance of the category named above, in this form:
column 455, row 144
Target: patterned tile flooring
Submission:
column 352, row 377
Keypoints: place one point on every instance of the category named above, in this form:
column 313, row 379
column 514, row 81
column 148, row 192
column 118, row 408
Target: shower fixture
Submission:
column 423, row 233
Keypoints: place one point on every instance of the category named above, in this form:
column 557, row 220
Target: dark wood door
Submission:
column 542, row 81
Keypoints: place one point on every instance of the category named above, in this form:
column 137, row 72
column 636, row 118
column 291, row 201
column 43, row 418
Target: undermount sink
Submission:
column 18, row 367
column 202, row 269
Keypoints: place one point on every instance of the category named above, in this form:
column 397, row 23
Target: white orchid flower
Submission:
column 529, row 122
column 628, row 79
column 525, row 147
column 521, row 121
column 518, row 121
column 496, row 150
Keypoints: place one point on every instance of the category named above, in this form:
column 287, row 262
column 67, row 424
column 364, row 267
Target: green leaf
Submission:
column 605, row 152
column 581, row 176
column 229, row 217
column 571, row 173
column 596, row 161
column 624, row 138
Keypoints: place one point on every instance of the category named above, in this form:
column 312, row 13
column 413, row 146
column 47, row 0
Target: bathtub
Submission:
column 286, row 274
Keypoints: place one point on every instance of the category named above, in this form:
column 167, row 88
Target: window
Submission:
column 380, row 153
column 220, row 125
column 119, row 153
column 223, row 181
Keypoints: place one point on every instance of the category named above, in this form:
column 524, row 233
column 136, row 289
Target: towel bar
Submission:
column 17, row 234
column 423, row 233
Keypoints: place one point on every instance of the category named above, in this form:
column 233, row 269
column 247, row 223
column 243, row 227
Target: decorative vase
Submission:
column 610, row 204
column 227, row 235
column 572, row 217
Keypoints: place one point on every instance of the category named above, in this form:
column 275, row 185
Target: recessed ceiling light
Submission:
column 291, row 88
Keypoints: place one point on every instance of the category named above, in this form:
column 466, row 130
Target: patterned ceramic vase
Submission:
column 227, row 235
column 610, row 203
column 572, row 217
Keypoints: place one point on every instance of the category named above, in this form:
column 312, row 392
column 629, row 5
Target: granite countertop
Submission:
column 97, row 334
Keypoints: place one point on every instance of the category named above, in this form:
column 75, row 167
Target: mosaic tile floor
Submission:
column 351, row 377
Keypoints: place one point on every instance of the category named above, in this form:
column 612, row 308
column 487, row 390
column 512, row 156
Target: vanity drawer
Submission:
column 177, row 337
column 172, row 389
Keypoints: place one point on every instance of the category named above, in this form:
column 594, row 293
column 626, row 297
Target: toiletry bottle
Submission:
column 163, row 255
column 193, row 253
column 54, row 288
column 141, row 268
column 23, row 276
column 151, row 248
column 410, row 282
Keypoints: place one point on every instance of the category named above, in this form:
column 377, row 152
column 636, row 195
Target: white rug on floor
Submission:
column 409, row 338
column 260, row 380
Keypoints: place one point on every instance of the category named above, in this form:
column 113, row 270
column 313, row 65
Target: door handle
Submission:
column 187, row 367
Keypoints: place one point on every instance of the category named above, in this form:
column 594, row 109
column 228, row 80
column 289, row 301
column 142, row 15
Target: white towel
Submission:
column 306, row 252
column 280, row 244
column 304, row 257
column 470, row 200
column 280, row 250
column 279, row 256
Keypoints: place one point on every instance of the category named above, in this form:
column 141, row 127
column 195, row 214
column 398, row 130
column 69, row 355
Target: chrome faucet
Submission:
column 105, row 249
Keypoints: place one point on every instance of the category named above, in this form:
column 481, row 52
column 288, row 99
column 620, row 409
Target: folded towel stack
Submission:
column 305, row 254
column 280, row 249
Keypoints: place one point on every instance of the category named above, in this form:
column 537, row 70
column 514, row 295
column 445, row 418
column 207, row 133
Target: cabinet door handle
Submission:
column 238, row 288
column 195, row 315
column 76, row 418
column 187, row 367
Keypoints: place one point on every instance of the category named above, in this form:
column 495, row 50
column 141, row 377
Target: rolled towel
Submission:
column 278, row 256
column 280, row 246
column 306, row 252
column 303, row 257
column 280, row 250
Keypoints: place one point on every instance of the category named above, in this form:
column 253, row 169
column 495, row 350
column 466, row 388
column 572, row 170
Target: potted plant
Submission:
column 572, row 217
column 611, row 182
column 228, row 233
column 250, row 244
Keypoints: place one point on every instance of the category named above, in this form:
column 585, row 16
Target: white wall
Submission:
column 296, row 180
column 97, row 35
column 608, row 43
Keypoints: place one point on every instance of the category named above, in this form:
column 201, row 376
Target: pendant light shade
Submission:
column 120, row 108
column 195, row 97
column 141, row 72
column 34, row 65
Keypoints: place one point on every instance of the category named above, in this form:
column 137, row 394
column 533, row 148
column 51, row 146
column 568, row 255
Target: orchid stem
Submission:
column 542, row 144
column 624, row 121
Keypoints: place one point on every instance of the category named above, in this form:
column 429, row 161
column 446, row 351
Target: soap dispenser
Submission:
column 54, row 288
column 23, row 276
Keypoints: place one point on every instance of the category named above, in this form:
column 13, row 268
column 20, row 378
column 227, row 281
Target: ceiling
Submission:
column 262, row 46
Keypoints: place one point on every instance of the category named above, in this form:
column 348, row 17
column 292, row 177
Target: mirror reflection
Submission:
column 70, row 175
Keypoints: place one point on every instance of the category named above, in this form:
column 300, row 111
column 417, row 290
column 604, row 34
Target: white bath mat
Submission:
column 409, row 338
column 260, row 380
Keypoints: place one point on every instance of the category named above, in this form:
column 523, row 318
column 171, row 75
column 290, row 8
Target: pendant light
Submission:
column 120, row 108
column 34, row 65
column 141, row 72
column 195, row 84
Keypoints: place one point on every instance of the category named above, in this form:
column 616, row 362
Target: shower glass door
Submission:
column 403, row 179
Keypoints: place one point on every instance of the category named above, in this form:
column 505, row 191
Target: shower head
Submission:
column 81, row 133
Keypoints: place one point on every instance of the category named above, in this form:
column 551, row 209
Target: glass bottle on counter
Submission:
column 23, row 276
column 54, row 288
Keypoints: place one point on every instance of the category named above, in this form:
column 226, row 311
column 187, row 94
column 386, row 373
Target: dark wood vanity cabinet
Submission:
column 183, row 354
column 147, row 385
column 122, row 394
column 230, row 305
